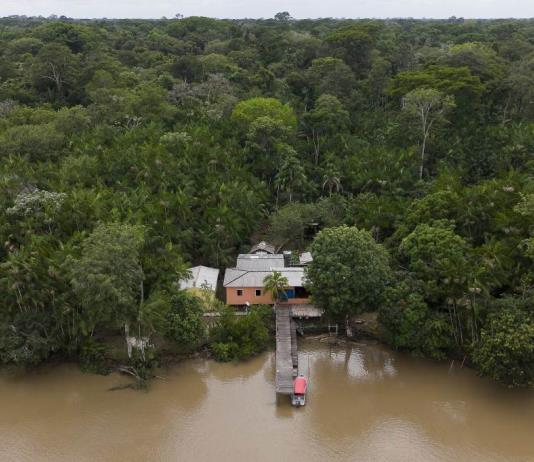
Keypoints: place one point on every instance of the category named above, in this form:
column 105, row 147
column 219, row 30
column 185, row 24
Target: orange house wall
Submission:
column 249, row 295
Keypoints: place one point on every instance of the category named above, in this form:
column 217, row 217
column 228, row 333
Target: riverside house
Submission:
column 244, row 283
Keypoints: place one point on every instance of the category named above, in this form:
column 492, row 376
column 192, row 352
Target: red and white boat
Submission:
column 300, row 385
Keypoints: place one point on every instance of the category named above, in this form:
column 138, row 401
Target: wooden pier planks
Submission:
column 286, row 350
column 294, row 348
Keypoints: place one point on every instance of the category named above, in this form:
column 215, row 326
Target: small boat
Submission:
column 300, row 384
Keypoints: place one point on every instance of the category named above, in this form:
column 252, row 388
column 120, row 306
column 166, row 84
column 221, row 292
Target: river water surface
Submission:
column 366, row 403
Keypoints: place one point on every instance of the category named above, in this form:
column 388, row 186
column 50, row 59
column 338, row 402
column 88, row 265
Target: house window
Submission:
column 258, row 292
column 239, row 292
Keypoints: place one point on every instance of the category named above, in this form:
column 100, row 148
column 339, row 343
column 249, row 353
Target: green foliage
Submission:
column 185, row 327
column 249, row 111
column 93, row 357
column 349, row 271
column 130, row 148
column 28, row 339
column 36, row 142
column 410, row 324
column 107, row 278
column 437, row 256
column 355, row 43
column 452, row 81
column 330, row 75
column 294, row 224
column 240, row 337
column 506, row 348
column 479, row 58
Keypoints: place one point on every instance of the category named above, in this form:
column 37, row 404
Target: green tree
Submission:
column 452, row 81
column 185, row 326
column 56, row 70
column 330, row 75
column 332, row 180
column 247, row 112
column 356, row 43
column 239, row 337
column 108, row 278
column 409, row 322
column 35, row 314
column 438, row 256
column 327, row 119
column 440, row 259
column 506, row 348
column 482, row 60
column 290, row 176
column 36, row 142
column 283, row 16
column 349, row 271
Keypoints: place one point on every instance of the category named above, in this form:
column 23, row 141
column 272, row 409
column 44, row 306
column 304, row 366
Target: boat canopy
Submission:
column 299, row 385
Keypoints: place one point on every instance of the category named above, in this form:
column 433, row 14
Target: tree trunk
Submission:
column 315, row 139
column 422, row 164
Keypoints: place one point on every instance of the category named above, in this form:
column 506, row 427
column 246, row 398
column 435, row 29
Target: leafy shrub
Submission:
column 410, row 324
column 27, row 339
column 185, row 326
column 240, row 337
column 93, row 357
column 225, row 351
column 506, row 348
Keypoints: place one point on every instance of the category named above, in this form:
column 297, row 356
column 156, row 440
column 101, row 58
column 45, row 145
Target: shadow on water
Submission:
column 237, row 371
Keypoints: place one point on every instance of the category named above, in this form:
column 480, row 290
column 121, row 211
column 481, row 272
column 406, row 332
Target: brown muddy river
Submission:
column 366, row 403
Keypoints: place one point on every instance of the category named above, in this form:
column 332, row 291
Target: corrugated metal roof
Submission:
column 263, row 247
column 259, row 262
column 201, row 275
column 234, row 277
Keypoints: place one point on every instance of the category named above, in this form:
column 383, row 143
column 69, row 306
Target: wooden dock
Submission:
column 287, row 355
column 286, row 350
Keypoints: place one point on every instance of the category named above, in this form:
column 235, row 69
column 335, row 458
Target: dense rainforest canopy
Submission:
column 130, row 149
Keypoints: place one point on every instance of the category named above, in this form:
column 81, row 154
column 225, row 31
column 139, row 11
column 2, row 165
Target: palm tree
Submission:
column 290, row 175
column 332, row 180
column 276, row 284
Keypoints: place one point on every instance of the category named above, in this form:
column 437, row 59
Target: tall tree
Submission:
column 108, row 278
column 290, row 175
column 349, row 271
column 430, row 108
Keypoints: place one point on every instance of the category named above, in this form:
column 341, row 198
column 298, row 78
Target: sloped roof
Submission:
column 258, row 262
column 201, row 275
column 263, row 247
column 234, row 277
column 305, row 258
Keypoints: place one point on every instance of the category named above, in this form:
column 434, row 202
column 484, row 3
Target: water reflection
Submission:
column 384, row 390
